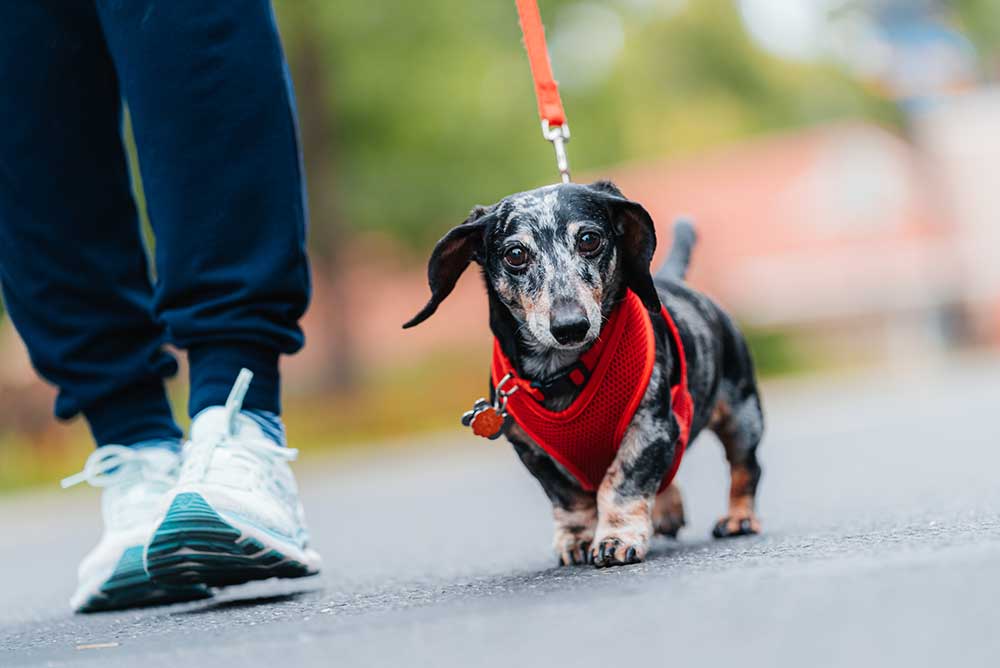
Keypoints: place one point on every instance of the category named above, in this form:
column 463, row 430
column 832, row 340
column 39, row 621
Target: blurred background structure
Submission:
column 839, row 157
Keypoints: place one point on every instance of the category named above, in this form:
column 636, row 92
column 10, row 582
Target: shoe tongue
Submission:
column 215, row 422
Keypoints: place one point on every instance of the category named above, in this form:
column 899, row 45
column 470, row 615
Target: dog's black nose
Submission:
column 568, row 322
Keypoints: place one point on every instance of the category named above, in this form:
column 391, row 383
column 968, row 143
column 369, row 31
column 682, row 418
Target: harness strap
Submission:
column 680, row 398
column 572, row 379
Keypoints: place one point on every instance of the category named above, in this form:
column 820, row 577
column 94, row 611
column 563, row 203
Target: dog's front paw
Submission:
column 618, row 550
column 574, row 533
column 737, row 524
column 572, row 548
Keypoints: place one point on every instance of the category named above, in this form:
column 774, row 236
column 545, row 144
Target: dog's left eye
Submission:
column 589, row 243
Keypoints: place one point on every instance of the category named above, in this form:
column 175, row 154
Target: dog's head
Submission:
column 556, row 257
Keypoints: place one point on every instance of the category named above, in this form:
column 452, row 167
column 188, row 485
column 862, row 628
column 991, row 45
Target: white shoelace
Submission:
column 198, row 456
column 108, row 465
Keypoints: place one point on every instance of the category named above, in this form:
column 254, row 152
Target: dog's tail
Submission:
column 676, row 265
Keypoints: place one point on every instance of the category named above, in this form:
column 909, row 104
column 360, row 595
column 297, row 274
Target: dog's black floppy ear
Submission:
column 637, row 238
column 450, row 258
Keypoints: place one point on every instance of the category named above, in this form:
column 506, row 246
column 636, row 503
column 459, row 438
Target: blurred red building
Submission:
column 840, row 232
column 877, row 247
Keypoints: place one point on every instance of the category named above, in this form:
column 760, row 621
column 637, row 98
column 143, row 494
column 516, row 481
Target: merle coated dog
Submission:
column 556, row 261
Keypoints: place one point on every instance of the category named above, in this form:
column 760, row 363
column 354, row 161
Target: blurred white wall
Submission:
column 960, row 136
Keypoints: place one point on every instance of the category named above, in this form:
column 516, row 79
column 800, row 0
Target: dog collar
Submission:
column 612, row 377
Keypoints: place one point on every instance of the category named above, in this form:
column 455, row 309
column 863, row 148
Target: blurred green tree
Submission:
column 980, row 20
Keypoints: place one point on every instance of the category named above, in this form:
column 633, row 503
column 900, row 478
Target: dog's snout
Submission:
column 568, row 322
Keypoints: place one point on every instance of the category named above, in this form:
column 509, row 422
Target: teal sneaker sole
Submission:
column 196, row 545
column 130, row 587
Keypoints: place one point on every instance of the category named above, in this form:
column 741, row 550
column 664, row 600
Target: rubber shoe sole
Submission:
column 130, row 587
column 194, row 544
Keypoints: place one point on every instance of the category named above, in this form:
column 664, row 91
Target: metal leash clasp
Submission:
column 487, row 419
column 559, row 136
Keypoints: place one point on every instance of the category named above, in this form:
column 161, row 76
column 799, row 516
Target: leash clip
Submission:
column 559, row 136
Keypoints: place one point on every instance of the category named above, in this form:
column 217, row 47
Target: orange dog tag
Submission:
column 487, row 423
column 486, row 418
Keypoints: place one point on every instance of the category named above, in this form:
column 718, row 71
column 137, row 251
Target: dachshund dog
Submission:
column 556, row 262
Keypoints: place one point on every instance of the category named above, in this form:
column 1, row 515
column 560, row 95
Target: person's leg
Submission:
column 76, row 281
column 72, row 265
column 214, row 121
column 215, row 128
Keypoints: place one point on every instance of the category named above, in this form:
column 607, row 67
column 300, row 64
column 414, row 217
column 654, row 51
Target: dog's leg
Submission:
column 668, row 512
column 573, row 509
column 739, row 425
column 627, row 494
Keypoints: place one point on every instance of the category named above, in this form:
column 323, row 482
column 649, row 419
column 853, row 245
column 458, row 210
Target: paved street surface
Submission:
column 880, row 502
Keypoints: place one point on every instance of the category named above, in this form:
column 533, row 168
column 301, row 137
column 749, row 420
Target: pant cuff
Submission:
column 214, row 367
column 135, row 414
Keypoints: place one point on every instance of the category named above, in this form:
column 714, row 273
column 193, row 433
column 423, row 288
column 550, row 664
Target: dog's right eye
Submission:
column 516, row 257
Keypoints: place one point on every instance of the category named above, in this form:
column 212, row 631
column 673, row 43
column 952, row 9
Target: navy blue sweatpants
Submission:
column 212, row 110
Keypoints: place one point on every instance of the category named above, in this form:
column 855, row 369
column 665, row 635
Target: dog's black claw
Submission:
column 605, row 555
column 630, row 556
column 745, row 526
column 720, row 530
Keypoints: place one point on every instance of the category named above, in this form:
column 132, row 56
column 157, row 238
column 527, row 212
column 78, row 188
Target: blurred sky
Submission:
column 912, row 46
column 797, row 30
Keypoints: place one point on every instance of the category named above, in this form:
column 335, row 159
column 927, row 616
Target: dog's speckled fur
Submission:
column 613, row 526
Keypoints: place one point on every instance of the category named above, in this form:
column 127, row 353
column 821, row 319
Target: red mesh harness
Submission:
column 585, row 437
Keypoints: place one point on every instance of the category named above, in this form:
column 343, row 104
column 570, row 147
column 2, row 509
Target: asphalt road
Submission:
column 880, row 503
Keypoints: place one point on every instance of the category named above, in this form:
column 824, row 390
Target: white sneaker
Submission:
column 135, row 482
column 234, row 515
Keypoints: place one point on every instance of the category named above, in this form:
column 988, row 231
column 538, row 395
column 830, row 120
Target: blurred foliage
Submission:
column 384, row 406
column 36, row 461
column 775, row 353
column 431, row 393
column 432, row 110
column 980, row 21
column 137, row 190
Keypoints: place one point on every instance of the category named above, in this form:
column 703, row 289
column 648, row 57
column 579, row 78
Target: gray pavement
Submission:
column 880, row 503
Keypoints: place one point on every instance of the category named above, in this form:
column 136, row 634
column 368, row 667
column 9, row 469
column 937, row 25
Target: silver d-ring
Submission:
column 503, row 381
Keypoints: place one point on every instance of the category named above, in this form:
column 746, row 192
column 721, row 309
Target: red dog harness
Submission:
column 585, row 437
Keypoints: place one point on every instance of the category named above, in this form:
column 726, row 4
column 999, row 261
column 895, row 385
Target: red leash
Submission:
column 550, row 108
